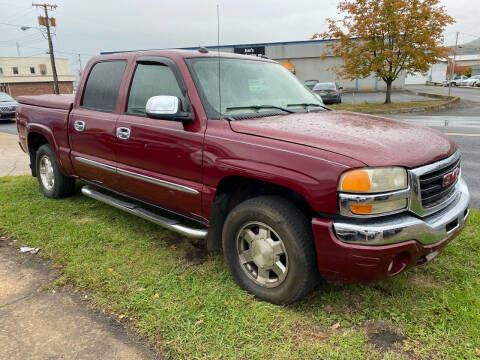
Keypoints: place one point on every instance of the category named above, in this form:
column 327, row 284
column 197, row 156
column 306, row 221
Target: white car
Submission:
column 473, row 81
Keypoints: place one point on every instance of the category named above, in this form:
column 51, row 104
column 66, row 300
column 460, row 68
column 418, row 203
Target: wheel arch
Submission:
column 234, row 189
column 34, row 141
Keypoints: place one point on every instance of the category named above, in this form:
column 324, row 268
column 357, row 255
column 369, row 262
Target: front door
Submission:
column 159, row 161
column 93, row 123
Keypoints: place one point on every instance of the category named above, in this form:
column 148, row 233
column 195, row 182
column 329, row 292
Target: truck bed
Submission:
column 47, row 116
column 64, row 102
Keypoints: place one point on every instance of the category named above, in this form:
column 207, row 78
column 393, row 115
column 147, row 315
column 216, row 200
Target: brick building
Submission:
column 33, row 76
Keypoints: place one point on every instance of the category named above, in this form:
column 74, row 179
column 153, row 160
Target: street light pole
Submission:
column 452, row 66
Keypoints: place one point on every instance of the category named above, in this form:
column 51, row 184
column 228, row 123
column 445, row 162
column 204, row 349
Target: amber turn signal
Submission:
column 356, row 181
column 361, row 209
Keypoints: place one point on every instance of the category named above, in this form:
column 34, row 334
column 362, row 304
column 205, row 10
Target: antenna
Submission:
column 218, row 53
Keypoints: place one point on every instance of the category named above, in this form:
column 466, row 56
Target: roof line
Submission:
column 231, row 46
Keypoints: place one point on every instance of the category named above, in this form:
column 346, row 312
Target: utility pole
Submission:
column 50, row 45
column 452, row 66
column 18, row 48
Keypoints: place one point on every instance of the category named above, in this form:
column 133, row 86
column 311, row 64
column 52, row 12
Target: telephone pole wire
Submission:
column 50, row 45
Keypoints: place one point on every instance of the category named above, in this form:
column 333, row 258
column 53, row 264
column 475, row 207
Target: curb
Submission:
column 449, row 101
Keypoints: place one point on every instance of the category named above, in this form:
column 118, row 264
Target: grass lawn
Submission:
column 186, row 302
column 373, row 108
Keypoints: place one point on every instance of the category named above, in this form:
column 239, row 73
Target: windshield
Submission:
column 247, row 86
column 5, row 97
column 324, row 86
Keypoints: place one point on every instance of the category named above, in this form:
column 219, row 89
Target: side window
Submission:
column 101, row 90
column 151, row 80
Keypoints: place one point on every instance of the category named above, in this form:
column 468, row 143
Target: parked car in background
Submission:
column 310, row 83
column 457, row 81
column 330, row 92
column 473, row 81
column 8, row 106
column 290, row 190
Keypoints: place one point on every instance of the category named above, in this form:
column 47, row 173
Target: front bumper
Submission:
column 7, row 115
column 374, row 249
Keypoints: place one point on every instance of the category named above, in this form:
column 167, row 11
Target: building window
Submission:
column 32, row 70
column 43, row 69
column 1, row 71
column 15, row 70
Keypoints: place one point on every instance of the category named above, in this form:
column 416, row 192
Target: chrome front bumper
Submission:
column 403, row 227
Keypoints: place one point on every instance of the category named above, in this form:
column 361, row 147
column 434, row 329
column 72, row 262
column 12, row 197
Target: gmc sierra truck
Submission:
column 235, row 150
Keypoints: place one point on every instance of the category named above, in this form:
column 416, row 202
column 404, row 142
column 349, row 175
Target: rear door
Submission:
column 92, row 124
column 161, row 160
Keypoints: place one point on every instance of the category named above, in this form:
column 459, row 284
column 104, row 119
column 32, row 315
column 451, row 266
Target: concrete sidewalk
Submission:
column 13, row 161
column 40, row 323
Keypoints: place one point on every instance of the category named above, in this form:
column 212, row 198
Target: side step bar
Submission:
column 169, row 224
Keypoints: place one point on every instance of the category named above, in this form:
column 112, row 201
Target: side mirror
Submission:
column 166, row 107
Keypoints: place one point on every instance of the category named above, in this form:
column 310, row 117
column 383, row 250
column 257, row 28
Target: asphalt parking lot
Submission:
column 461, row 122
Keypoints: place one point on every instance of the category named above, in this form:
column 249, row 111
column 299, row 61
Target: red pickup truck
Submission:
column 235, row 150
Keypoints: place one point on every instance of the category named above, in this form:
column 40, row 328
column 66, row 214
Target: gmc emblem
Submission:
column 451, row 177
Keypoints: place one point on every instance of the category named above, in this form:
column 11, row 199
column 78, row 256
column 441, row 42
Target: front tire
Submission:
column 268, row 245
column 51, row 180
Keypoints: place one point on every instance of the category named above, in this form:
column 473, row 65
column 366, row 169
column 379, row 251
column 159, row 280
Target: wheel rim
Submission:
column 46, row 172
column 262, row 255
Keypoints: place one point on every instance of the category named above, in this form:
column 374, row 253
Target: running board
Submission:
column 169, row 224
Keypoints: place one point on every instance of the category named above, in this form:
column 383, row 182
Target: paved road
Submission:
column 8, row 127
column 463, row 124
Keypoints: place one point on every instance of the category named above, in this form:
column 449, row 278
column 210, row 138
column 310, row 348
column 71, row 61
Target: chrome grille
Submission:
column 7, row 108
column 431, row 186
column 428, row 192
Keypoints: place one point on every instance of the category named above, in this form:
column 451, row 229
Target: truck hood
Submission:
column 373, row 140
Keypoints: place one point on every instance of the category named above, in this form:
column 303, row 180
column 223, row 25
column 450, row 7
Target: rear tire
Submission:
column 268, row 245
column 51, row 180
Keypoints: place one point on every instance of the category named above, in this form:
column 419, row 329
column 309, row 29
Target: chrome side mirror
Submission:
column 166, row 107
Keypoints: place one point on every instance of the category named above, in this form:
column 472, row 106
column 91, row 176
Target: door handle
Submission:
column 79, row 125
column 123, row 133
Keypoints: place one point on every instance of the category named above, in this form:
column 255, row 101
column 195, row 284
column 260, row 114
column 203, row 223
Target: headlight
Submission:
column 373, row 180
column 373, row 191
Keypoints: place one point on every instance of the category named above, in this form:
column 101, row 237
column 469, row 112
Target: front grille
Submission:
column 7, row 108
column 432, row 190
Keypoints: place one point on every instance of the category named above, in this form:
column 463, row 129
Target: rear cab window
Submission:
column 103, row 84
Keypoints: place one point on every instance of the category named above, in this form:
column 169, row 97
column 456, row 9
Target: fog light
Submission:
column 390, row 266
column 399, row 263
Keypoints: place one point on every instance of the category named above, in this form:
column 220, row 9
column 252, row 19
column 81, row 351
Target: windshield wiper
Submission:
column 306, row 105
column 259, row 107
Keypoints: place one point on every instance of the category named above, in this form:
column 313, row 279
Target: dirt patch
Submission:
column 424, row 281
column 173, row 239
column 197, row 254
column 83, row 220
column 384, row 335
column 312, row 333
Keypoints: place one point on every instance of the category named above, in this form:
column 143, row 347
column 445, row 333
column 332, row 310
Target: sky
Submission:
column 87, row 27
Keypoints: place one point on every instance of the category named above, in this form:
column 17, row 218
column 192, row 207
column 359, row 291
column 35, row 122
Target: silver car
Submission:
column 473, row 81
column 8, row 106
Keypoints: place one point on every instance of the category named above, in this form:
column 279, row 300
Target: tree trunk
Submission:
column 389, row 92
